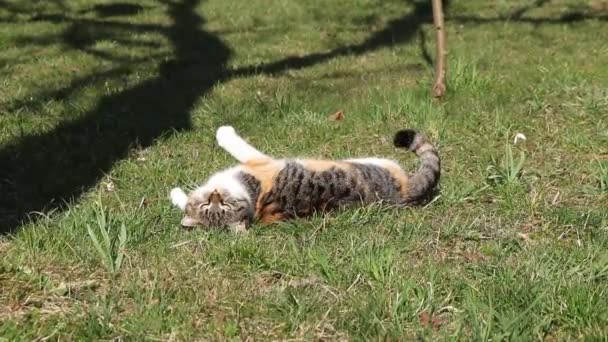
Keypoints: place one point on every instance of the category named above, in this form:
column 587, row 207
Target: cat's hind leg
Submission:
column 236, row 146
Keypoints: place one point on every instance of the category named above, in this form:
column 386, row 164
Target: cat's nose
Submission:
column 215, row 197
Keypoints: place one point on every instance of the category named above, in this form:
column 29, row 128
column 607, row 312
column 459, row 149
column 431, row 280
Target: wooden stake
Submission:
column 440, row 64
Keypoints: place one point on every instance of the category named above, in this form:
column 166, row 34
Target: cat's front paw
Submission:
column 224, row 135
column 179, row 198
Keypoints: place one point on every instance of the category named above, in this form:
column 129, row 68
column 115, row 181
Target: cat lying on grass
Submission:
column 267, row 190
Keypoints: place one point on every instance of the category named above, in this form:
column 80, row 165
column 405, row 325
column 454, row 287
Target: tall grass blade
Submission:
column 100, row 250
column 122, row 242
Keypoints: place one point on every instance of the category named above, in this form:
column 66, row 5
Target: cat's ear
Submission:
column 188, row 221
column 239, row 227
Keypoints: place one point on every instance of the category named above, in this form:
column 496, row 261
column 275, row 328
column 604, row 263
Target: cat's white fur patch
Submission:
column 179, row 198
column 225, row 180
column 235, row 145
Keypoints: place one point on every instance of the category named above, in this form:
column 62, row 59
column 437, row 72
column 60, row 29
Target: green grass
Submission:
column 104, row 107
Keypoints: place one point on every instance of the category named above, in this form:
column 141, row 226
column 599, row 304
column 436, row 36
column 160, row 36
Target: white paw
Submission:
column 179, row 198
column 224, row 135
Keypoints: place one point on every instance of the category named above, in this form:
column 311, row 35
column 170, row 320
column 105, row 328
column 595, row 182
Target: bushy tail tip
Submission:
column 405, row 138
column 423, row 181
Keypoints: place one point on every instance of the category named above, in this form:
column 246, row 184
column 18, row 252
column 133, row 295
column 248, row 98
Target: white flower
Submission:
column 110, row 186
column 518, row 137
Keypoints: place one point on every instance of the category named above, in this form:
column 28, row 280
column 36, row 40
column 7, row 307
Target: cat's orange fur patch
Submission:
column 270, row 214
column 265, row 170
column 400, row 176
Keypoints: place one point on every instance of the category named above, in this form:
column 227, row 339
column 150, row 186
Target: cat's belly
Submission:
column 300, row 191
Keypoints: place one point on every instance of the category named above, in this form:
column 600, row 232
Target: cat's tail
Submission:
column 423, row 182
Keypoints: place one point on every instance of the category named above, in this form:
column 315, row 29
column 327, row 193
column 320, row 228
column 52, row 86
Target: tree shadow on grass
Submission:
column 518, row 15
column 43, row 171
column 40, row 172
column 398, row 31
column 115, row 9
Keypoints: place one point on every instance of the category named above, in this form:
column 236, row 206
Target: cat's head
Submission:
column 217, row 207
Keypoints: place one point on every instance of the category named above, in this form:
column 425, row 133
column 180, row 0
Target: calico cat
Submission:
column 267, row 190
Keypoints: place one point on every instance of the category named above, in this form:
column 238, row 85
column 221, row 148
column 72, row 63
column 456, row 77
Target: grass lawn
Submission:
column 105, row 106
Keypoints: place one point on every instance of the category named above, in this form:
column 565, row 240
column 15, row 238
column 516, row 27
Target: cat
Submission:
column 264, row 189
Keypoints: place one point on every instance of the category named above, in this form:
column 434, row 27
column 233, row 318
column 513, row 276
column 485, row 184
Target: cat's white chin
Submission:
column 179, row 198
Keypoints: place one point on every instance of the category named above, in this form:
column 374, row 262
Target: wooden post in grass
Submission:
column 440, row 72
